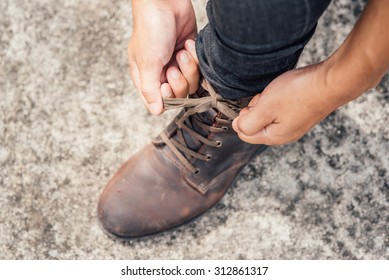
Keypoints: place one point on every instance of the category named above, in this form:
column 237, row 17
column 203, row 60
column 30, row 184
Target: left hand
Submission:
column 288, row 107
column 160, row 29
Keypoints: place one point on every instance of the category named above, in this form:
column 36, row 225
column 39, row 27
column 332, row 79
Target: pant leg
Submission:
column 248, row 43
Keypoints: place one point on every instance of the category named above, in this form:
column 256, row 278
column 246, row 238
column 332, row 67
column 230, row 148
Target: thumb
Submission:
column 150, row 86
column 261, row 137
column 253, row 122
column 190, row 46
column 254, row 117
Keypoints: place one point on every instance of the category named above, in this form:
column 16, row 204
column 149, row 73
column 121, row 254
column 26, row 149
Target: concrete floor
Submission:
column 69, row 116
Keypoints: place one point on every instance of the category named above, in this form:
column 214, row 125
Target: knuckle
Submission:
column 181, row 88
column 193, row 70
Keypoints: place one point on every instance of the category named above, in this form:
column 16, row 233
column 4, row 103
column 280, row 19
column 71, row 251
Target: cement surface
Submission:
column 69, row 117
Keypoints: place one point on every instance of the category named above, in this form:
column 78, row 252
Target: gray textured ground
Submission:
column 69, row 117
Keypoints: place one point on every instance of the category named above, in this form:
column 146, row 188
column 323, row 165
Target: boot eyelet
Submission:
column 208, row 157
column 218, row 143
column 197, row 171
column 225, row 128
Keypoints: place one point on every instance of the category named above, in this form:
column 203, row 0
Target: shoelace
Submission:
column 229, row 108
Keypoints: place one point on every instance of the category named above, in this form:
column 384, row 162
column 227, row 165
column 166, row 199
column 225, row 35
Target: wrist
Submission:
column 347, row 79
column 362, row 59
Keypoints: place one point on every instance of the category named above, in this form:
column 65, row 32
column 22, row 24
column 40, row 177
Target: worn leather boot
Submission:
column 182, row 173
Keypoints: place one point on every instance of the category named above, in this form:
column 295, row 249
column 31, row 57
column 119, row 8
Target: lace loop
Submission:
column 199, row 105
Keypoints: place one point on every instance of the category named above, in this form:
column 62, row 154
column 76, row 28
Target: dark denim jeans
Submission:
column 248, row 43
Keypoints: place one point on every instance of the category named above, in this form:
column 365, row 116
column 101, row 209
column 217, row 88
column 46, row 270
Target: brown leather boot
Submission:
column 182, row 173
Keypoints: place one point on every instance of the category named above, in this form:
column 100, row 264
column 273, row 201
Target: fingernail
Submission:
column 175, row 73
column 184, row 57
column 154, row 108
column 191, row 44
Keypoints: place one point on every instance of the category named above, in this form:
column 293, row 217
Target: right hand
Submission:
column 160, row 29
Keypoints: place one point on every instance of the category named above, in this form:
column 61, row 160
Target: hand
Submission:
column 160, row 29
column 297, row 100
column 288, row 107
column 184, row 79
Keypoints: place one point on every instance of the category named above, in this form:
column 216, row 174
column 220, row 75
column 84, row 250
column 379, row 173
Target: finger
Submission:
column 261, row 137
column 135, row 77
column 190, row 46
column 172, row 62
column 189, row 69
column 166, row 90
column 134, row 70
column 244, row 111
column 150, row 78
column 254, row 101
column 134, row 74
column 269, row 135
column 177, row 82
column 252, row 119
column 163, row 78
